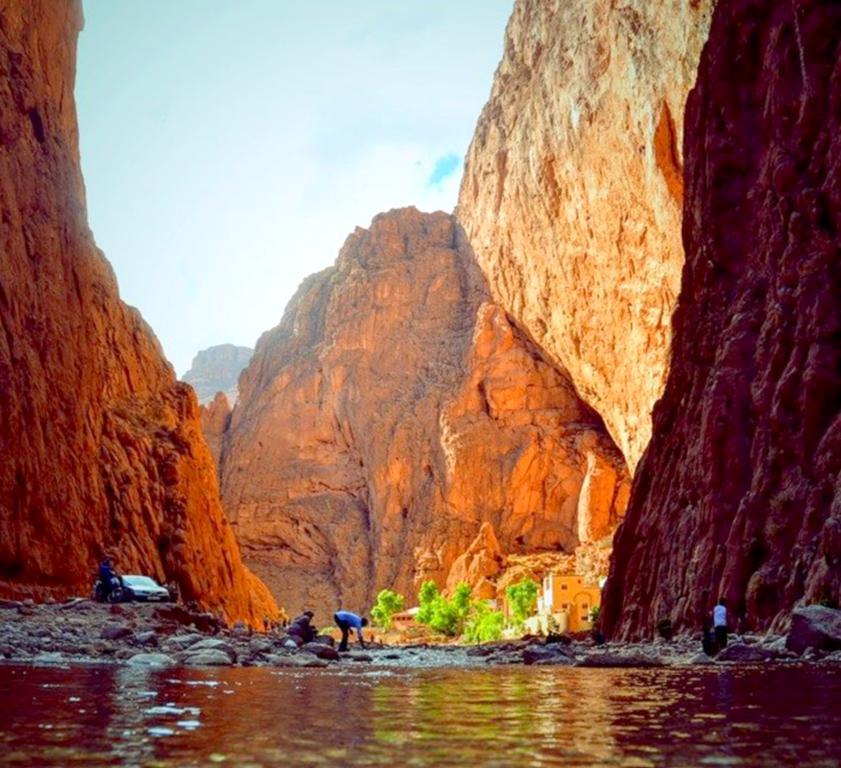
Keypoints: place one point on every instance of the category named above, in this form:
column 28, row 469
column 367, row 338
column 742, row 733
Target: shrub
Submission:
column 522, row 597
column 595, row 613
column 388, row 603
column 483, row 624
column 426, row 601
column 439, row 613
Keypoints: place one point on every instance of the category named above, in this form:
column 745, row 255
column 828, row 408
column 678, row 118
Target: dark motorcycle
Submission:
column 114, row 595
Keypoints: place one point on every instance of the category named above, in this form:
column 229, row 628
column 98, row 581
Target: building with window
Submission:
column 567, row 599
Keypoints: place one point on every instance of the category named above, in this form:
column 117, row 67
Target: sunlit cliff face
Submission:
column 572, row 192
column 395, row 410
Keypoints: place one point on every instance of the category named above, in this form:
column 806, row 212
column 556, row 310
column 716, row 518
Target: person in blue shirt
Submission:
column 345, row 620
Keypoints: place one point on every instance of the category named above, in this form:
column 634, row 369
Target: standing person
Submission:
column 345, row 620
column 720, row 623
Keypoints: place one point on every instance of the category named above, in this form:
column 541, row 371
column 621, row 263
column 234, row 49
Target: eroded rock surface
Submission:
column 217, row 369
column 101, row 447
column 739, row 492
column 572, row 191
column 392, row 413
column 215, row 418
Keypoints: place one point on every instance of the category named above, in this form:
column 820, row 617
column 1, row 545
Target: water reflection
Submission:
column 495, row 717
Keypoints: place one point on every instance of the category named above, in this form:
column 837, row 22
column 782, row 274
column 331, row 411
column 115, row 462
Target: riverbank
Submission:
column 84, row 632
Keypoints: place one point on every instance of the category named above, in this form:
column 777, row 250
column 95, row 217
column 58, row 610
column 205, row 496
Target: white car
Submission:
column 144, row 589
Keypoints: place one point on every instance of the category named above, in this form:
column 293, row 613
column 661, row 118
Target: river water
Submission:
column 506, row 716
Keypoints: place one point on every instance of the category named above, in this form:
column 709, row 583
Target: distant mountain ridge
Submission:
column 217, row 369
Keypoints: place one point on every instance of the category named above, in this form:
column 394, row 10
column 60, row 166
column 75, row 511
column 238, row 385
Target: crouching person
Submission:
column 345, row 620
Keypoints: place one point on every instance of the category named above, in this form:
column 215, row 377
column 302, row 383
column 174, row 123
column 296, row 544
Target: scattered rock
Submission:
column 611, row 659
column 321, row 651
column 147, row 638
column 814, row 626
column 151, row 660
column 303, row 660
column 49, row 658
column 548, row 653
column 745, row 653
column 181, row 642
column 115, row 632
column 213, row 644
column 210, row 657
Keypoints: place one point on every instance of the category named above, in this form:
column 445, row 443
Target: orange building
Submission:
column 568, row 600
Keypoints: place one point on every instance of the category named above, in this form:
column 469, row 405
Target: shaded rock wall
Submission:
column 101, row 447
column 739, row 493
column 393, row 411
column 572, row 191
column 217, row 369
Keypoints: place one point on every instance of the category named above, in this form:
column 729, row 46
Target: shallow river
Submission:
column 511, row 716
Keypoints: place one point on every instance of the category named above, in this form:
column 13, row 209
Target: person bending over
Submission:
column 345, row 620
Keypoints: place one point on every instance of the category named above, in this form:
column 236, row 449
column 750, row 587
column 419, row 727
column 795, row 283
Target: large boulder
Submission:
column 745, row 653
column 814, row 626
column 209, row 657
column 213, row 644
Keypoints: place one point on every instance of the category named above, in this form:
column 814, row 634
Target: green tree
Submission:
column 483, row 624
column 439, row 613
column 427, row 597
column 522, row 597
column 388, row 603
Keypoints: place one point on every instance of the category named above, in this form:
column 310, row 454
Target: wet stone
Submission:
column 209, row 657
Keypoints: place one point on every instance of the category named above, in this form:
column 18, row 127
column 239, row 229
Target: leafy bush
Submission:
column 427, row 597
column 522, row 598
column 388, row 603
column 439, row 613
column 595, row 613
column 483, row 624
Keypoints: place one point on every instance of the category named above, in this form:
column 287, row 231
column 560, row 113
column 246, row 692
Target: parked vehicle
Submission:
column 114, row 595
column 144, row 589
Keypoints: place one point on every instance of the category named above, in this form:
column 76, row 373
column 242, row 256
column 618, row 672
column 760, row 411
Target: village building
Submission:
column 565, row 602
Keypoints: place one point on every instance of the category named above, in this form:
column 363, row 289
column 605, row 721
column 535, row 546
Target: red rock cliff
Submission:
column 739, row 493
column 101, row 448
column 572, row 191
column 395, row 410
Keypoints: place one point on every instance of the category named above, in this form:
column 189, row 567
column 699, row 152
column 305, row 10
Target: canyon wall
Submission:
column 392, row 413
column 101, row 447
column 217, row 369
column 573, row 186
column 739, row 493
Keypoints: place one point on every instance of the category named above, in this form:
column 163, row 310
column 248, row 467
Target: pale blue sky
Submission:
column 230, row 146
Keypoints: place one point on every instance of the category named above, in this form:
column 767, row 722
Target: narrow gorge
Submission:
column 463, row 389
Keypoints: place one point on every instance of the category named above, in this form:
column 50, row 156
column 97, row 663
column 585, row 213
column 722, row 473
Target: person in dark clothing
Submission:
column 106, row 576
column 345, row 620
column 720, row 623
column 708, row 643
column 303, row 627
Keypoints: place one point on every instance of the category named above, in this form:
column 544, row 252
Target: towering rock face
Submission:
column 739, row 493
column 217, row 369
column 101, row 448
column 392, row 413
column 215, row 418
column 572, row 191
